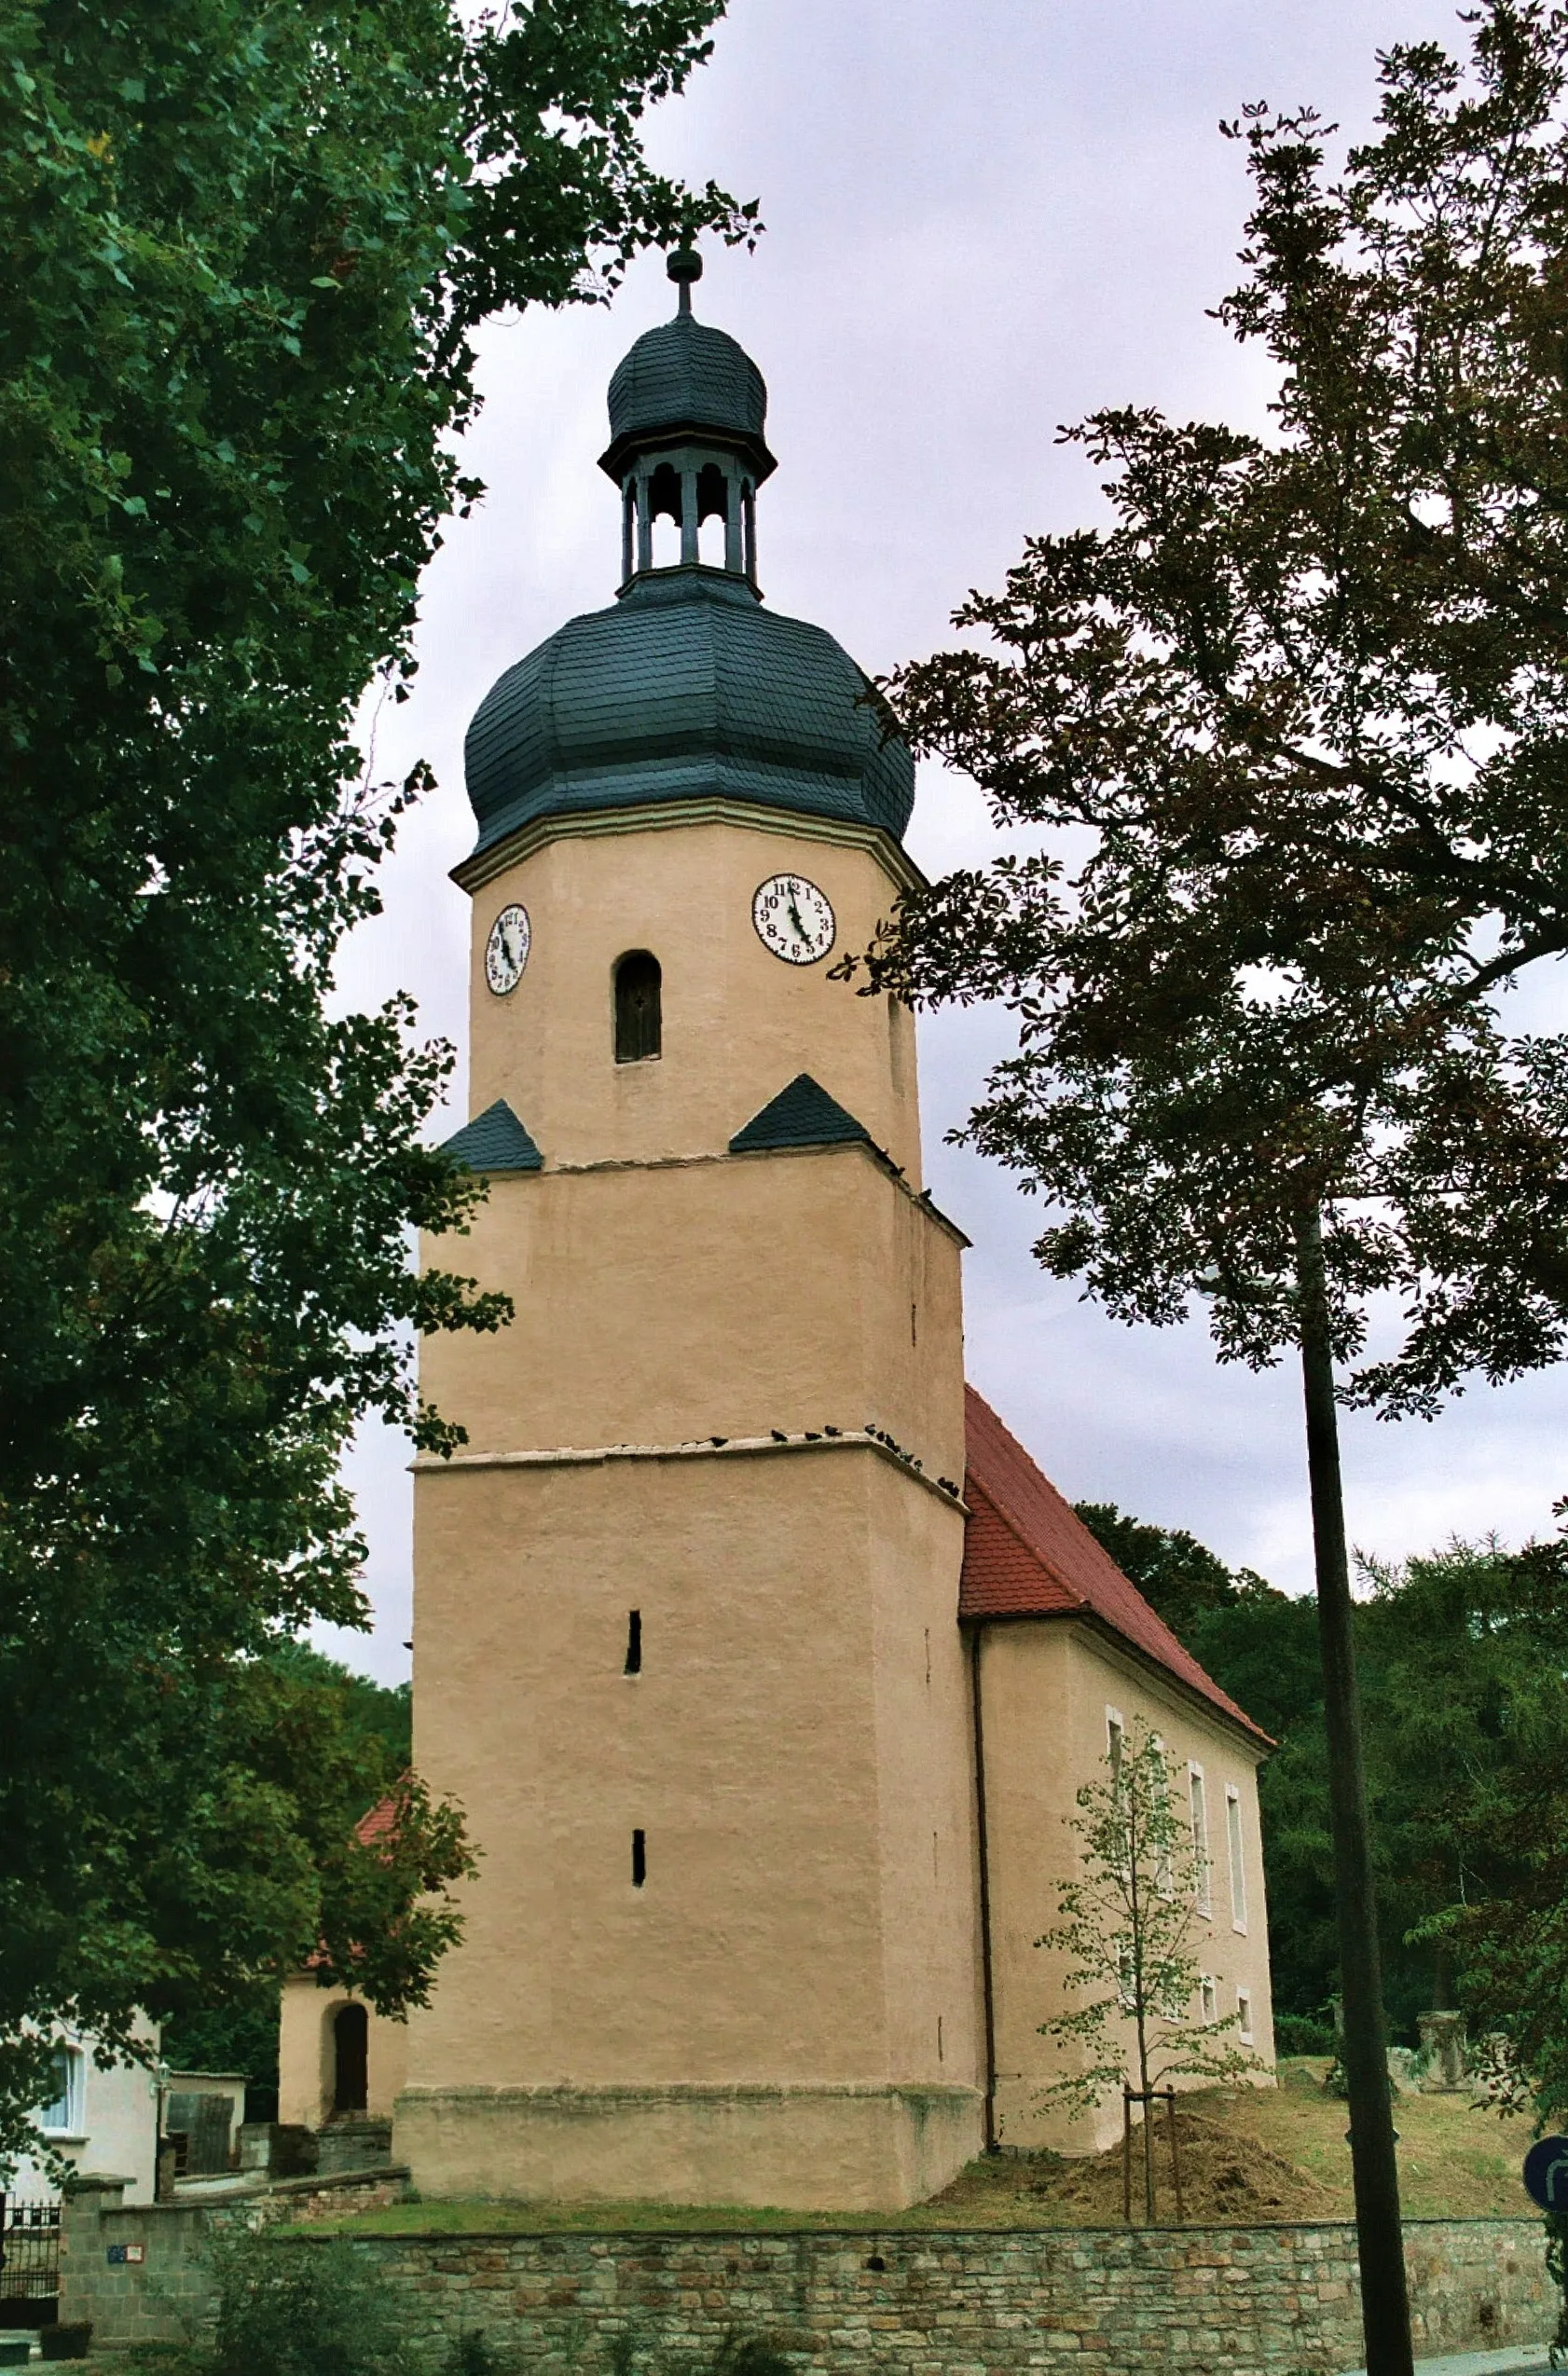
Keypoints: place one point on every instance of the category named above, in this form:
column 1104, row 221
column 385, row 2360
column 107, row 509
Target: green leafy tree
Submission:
column 1306, row 694
column 243, row 252
column 1487, row 1852
column 1128, row 1926
column 337, row 1744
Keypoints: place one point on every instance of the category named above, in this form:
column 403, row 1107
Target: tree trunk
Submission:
column 1385, row 2314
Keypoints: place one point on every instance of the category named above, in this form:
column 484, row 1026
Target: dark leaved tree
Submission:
column 242, row 254
column 1304, row 701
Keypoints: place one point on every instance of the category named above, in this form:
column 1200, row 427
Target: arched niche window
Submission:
column 350, row 2059
column 638, row 1020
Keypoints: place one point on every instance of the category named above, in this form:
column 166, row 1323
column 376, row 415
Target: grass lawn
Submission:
column 1250, row 2157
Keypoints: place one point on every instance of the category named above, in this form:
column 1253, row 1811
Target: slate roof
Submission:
column 1027, row 1553
column 494, row 1141
column 802, row 1115
column 684, row 376
column 685, row 688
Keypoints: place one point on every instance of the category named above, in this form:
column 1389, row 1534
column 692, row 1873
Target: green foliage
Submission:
column 338, row 1743
column 1302, row 704
column 241, row 254
column 1128, row 1925
column 293, row 2309
column 471, row 2356
column 1460, row 1657
column 1299, row 2034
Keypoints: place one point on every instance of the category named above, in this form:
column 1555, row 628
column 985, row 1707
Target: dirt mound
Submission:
column 1226, row 2178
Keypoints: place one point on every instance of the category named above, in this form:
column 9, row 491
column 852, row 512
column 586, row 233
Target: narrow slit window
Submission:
column 634, row 1641
column 639, row 1859
column 1244, row 2015
column 638, row 1008
column 1208, row 1996
column 1238, row 1866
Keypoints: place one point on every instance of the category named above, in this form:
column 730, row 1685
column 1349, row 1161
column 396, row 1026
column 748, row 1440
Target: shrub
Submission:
column 290, row 2308
column 1302, row 2034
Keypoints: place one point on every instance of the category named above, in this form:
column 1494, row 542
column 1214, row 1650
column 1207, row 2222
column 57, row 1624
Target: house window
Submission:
column 1165, row 1872
column 639, row 1859
column 1238, row 1867
column 1116, row 1734
column 639, row 1010
column 1244, row 2015
column 1208, row 1997
column 1202, row 1895
column 634, row 1643
column 62, row 2116
column 350, row 2059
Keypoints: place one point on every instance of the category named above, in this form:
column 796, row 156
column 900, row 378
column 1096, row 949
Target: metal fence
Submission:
column 29, row 2251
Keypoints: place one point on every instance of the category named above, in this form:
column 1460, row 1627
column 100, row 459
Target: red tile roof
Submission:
column 379, row 1824
column 1027, row 1554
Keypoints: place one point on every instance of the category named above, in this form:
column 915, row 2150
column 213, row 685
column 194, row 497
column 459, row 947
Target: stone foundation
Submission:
column 791, row 2149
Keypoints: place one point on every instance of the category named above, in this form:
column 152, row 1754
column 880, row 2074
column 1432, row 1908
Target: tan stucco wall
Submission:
column 305, row 2054
column 1046, row 1686
column 739, row 1024
column 807, row 1916
column 729, row 1295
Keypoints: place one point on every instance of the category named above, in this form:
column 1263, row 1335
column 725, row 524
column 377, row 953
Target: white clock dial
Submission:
column 793, row 918
column 506, row 950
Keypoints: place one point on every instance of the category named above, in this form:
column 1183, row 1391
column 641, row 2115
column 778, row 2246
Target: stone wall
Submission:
column 139, row 2271
column 1195, row 2301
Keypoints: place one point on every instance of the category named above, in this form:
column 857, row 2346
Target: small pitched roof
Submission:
column 1027, row 1553
column 379, row 1824
column 802, row 1115
column 494, row 1141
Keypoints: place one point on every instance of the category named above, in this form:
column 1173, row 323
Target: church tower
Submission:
column 685, row 1645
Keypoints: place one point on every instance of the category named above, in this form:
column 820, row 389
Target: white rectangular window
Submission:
column 1203, row 1892
column 1244, row 2015
column 1115, row 1733
column 1165, row 1872
column 1208, row 1997
column 1238, row 1865
column 63, row 2115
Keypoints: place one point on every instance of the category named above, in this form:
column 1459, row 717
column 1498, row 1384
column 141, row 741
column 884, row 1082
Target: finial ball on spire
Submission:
column 685, row 266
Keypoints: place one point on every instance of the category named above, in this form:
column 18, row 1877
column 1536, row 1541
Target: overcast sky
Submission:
column 982, row 220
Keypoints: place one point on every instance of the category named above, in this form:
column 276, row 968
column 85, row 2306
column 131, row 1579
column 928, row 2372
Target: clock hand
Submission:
column 795, row 920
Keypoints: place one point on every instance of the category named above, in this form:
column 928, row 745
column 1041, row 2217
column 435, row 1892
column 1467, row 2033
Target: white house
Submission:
column 102, row 2121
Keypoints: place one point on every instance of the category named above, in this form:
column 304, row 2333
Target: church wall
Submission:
column 738, row 1025
column 664, row 1304
column 306, row 2069
column 925, row 1769
column 701, row 2036
column 1047, row 1684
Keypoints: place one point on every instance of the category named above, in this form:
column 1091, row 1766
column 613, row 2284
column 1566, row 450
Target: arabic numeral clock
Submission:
column 506, row 950
column 793, row 918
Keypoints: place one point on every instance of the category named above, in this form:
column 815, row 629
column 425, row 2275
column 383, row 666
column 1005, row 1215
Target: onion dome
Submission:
column 687, row 687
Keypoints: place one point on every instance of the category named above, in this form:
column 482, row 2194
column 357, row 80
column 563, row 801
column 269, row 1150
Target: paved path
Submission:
column 1520, row 2359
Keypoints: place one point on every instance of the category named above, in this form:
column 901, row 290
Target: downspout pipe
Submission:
column 986, row 1977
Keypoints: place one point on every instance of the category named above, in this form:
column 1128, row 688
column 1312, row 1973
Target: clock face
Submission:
column 506, row 950
column 793, row 918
